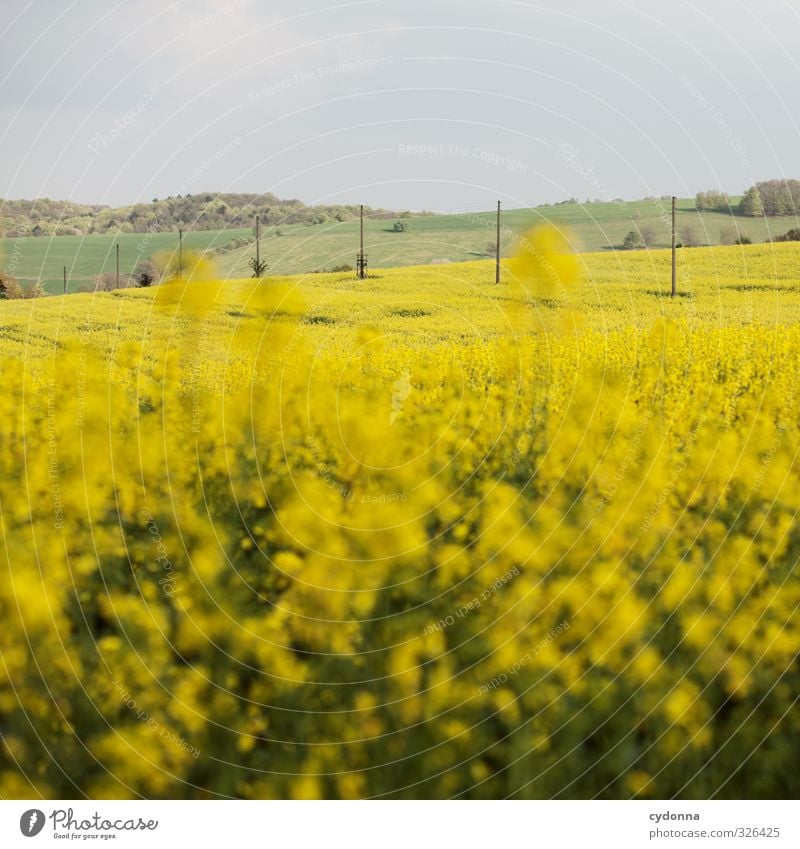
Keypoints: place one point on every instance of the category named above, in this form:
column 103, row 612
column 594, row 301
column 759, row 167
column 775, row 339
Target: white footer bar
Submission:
column 401, row 825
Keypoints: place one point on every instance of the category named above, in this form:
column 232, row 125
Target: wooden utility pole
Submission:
column 497, row 251
column 65, row 279
column 117, row 265
column 674, row 251
column 361, row 259
column 255, row 263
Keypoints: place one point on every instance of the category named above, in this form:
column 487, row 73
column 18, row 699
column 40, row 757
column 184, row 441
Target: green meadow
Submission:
column 430, row 239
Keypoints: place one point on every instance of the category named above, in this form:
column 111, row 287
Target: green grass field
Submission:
column 429, row 240
column 43, row 259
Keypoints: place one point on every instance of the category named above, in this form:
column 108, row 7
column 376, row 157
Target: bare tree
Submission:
column 648, row 235
column 34, row 290
column 688, row 237
column 105, row 282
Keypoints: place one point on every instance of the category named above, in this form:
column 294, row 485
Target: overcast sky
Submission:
column 420, row 104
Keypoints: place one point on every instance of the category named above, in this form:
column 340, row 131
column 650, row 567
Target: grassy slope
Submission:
column 429, row 240
column 43, row 258
column 460, row 238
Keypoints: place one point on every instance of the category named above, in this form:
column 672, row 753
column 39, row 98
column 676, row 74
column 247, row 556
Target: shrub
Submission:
column 400, row 226
column 9, row 288
column 105, row 282
column 147, row 273
column 258, row 267
column 632, row 241
column 648, row 235
column 689, row 237
column 792, row 235
column 34, row 290
column 730, row 235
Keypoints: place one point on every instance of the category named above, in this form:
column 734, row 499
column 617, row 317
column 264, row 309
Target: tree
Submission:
column 771, row 197
column 751, row 203
column 9, row 288
column 400, row 226
column 648, row 235
column 712, row 199
column 632, row 241
column 729, row 235
column 689, row 237
column 257, row 266
column 35, row 290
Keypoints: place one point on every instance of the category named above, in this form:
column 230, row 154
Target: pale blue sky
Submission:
column 398, row 103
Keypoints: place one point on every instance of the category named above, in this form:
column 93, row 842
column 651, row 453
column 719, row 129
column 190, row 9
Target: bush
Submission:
column 689, row 237
column 258, row 267
column 648, row 235
column 730, row 235
column 147, row 273
column 400, row 226
column 792, row 235
column 34, row 290
column 105, row 282
column 632, row 241
column 9, row 288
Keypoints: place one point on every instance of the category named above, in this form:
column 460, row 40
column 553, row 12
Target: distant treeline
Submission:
column 770, row 197
column 198, row 212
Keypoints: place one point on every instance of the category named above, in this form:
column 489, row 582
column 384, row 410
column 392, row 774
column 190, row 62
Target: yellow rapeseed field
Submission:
column 415, row 536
